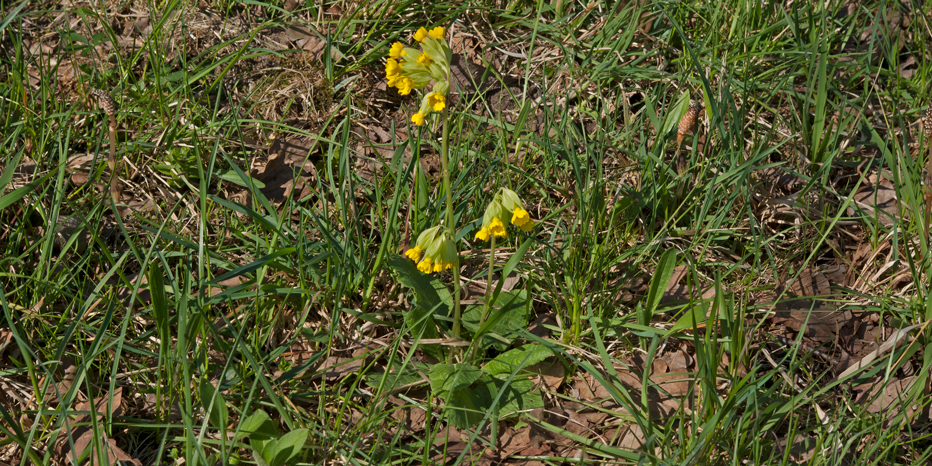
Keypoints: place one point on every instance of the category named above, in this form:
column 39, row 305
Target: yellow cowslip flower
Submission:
column 443, row 253
column 505, row 202
column 404, row 84
column 520, row 217
column 483, row 234
column 424, row 265
column 414, row 253
column 497, row 227
column 439, row 250
column 409, row 68
column 397, row 50
column 492, row 221
column 392, row 71
column 436, row 101
column 424, row 59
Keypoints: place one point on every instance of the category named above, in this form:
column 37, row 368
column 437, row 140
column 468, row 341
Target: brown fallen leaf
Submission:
column 876, row 199
column 550, row 374
column 280, row 175
column 678, row 292
column 82, row 433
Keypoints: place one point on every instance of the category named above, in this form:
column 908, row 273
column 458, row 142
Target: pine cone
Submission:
column 105, row 101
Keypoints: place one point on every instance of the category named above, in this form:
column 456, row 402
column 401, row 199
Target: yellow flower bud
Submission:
column 437, row 32
column 417, row 119
column 420, row 35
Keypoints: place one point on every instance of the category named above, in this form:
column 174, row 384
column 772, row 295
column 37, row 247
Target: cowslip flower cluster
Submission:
column 408, row 68
column 506, row 202
column 438, row 248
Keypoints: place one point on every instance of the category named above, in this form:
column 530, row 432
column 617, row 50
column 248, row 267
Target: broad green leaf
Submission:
column 519, row 396
column 509, row 315
column 661, row 277
column 445, row 378
column 506, row 363
column 287, row 448
column 213, row 403
column 466, row 407
column 257, row 426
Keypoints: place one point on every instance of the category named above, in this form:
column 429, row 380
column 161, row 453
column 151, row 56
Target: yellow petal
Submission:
column 417, row 119
column 420, row 35
column 437, row 32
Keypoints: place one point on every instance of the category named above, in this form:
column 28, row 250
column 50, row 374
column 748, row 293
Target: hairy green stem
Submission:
column 445, row 162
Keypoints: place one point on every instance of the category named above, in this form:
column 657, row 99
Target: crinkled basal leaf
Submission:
column 506, row 363
column 508, row 316
column 519, row 396
column 398, row 376
column 446, row 378
column 468, row 406
column 427, row 289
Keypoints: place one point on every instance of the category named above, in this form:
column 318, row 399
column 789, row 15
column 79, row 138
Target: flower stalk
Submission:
column 447, row 186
